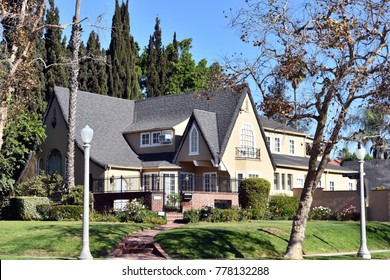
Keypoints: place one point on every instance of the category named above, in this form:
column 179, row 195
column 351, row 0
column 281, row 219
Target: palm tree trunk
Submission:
column 73, row 87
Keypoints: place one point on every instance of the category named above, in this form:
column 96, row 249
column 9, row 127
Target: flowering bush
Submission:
column 348, row 213
column 321, row 213
column 134, row 207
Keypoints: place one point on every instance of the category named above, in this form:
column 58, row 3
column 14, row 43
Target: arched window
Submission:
column 54, row 163
column 194, row 141
column 247, row 141
column 39, row 165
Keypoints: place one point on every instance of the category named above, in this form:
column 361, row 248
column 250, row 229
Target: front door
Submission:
column 169, row 181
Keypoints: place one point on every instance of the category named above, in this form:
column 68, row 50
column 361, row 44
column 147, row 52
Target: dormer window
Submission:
column 194, row 141
column 145, row 139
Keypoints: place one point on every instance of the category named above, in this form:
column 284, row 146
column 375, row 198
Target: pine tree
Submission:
column 122, row 56
column 55, row 74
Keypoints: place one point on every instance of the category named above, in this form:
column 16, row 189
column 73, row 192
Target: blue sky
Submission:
column 201, row 20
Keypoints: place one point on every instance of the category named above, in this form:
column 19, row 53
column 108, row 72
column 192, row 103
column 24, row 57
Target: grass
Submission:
column 268, row 239
column 235, row 240
column 59, row 240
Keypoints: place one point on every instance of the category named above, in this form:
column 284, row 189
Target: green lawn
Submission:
column 59, row 240
column 268, row 239
column 239, row 240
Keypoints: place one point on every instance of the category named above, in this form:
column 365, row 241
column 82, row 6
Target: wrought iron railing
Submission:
column 247, row 152
column 185, row 183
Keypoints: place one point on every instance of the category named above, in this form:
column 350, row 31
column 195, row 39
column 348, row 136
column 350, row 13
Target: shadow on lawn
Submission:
column 200, row 243
column 103, row 238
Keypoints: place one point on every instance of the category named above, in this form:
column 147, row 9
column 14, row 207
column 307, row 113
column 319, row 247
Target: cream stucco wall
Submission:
column 285, row 137
column 246, row 166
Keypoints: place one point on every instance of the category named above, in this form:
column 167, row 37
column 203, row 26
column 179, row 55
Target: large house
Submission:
column 198, row 145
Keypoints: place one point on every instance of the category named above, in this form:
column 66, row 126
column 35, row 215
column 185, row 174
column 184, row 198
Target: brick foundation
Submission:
column 200, row 199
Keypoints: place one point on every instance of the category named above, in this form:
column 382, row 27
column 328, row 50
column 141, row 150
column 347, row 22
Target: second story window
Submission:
column 194, row 141
column 277, row 145
column 292, row 146
column 247, row 141
column 145, row 139
column 268, row 139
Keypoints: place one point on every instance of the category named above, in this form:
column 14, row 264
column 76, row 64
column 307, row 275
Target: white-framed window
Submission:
column 331, row 185
column 292, row 146
column 145, row 139
column 276, row 181
column 283, row 181
column 268, row 139
column 300, row 182
column 350, row 186
column 155, row 138
column 289, row 181
column 277, row 145
column 187, row 181
column 194, row 141
column 210, row 182
column 151, row 181
column 254, row 175
column 247, row 141
column 239, row 177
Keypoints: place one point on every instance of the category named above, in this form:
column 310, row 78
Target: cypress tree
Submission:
column 156, row 76
column 122, row 56
column 92, row 76
column 56, row 75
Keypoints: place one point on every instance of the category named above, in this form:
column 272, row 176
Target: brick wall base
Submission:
column 200, row 199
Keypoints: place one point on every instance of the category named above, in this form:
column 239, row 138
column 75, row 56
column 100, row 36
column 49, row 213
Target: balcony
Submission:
column 247, row 152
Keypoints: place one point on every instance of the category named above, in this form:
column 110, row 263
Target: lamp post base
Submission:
column 364, row 253
column 85, row 255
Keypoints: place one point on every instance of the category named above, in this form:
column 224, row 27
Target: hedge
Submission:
column 25, row 208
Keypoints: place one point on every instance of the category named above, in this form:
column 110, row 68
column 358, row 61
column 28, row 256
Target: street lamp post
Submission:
column 363, row 251
column 86, row 136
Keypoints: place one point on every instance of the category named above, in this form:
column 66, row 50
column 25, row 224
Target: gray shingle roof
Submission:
column 215, row 113
column 274, row 125
column 287, row 160
column 207, row 122
column 377, row 171
column 108, row 117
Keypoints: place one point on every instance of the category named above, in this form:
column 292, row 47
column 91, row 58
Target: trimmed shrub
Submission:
column 51, row 185
column 76, row 196
column 229, row 215
column 191, row 216
column 66, row 212
column 283, row 207
column 25, row 208
column 253, row 193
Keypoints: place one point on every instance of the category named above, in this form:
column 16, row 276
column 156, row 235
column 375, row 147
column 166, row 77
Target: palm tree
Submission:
column 73, row 87
column 376, row 125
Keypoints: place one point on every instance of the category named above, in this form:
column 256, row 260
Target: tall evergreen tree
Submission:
column 122, row 56
column 157, row 64
column 56, row 74
column 92, row 76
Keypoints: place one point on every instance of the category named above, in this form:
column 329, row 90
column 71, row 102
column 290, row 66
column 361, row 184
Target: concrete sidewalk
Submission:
column 343, row 253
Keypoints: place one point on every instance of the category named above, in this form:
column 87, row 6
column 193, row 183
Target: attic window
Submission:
column 194, row 141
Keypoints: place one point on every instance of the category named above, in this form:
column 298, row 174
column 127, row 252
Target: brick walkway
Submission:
column 142, row 246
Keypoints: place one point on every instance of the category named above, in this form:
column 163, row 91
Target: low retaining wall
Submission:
column 105, row 201
column 378, row 202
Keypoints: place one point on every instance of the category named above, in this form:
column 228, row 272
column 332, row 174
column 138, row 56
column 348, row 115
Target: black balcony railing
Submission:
column 186, row 182
column 247, row 152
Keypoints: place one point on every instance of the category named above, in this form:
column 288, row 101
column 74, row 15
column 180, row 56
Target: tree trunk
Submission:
column 73, row 87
